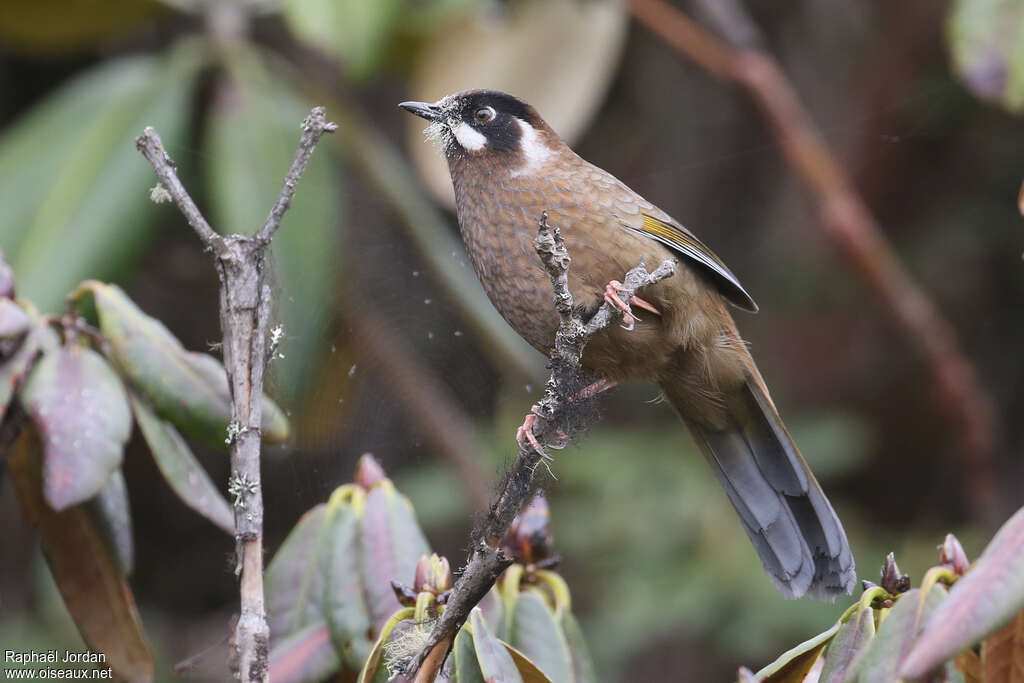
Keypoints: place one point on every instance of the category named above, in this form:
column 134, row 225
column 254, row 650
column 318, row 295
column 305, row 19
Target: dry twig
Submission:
column 844, row 216
column 487, row 561
column 244, row 320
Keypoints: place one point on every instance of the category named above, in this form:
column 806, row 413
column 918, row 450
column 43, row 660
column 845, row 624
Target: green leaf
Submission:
column 392, row 545
column 986, row 41
column 83, row 567
column 180, row 468
column 344, row 604
column 188, row 389
column 112, row 516
column 305, row 656
column 535, row 633
column 275, row 427
column 792, row 665
column 73, row 187
column 81, row 410
column 582, row 664
column 495, row 662
column 979, row 604
column 355, row 31
column 372, row 671
column 852, row 639
column 251, row 138
column 467, row 668
column 153, row 361
column 897, row 634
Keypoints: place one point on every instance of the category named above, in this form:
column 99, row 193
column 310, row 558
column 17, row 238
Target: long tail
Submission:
column 784, row 511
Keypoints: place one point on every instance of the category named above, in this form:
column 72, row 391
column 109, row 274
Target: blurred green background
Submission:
column 391, row 347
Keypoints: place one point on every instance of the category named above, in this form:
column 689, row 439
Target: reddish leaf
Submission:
column 1002, row 653
column 294, row 581
column 181, row 469
column 14, row 369
column 392, row 545
column 14, row 320
column 980, row 603
column 306, row 656
column 81, row 410
column 85, row 570
column 368, row 471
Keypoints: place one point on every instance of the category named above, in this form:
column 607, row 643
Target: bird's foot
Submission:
column 611, row 296
column 594, row 389
column 525, row 435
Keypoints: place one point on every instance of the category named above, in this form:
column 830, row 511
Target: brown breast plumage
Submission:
column 498, row 215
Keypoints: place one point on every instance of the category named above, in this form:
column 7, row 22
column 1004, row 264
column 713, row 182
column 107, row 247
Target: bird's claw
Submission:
column 611, row 296
column 525, row 432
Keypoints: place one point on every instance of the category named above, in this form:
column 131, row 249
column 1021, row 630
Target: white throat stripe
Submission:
column 535, row 152
column 470, row 139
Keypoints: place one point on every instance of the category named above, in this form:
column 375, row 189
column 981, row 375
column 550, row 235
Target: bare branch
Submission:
column 487, row 561
column 152, row 147
column 245, row 300
column 313, row 128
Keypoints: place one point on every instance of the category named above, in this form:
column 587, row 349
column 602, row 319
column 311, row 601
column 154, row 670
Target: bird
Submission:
column 508, row 166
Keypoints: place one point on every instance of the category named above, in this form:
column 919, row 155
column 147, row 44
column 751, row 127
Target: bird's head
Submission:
column 478, row 123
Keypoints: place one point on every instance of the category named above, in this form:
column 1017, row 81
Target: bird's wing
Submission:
column 681, row 240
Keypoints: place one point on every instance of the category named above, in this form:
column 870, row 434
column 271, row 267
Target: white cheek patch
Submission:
column 535, row 151
column 470, row 139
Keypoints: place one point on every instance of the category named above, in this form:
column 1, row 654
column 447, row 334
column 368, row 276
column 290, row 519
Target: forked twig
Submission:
column 244, row 321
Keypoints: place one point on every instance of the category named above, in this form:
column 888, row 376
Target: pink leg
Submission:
column 611, row 296
column 525, row 431
column 595, row 389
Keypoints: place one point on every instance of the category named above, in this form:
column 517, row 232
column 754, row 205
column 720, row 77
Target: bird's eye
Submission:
column 484, row 114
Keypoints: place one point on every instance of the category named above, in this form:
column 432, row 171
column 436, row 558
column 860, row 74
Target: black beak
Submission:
column 422, row 109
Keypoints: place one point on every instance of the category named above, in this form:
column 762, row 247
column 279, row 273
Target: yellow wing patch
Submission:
column 684, row 242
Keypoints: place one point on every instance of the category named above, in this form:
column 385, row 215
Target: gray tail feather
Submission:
column 784, row 511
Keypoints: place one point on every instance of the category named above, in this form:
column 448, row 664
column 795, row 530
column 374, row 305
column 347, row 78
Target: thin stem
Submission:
column 313, row 128
column 152, row 147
